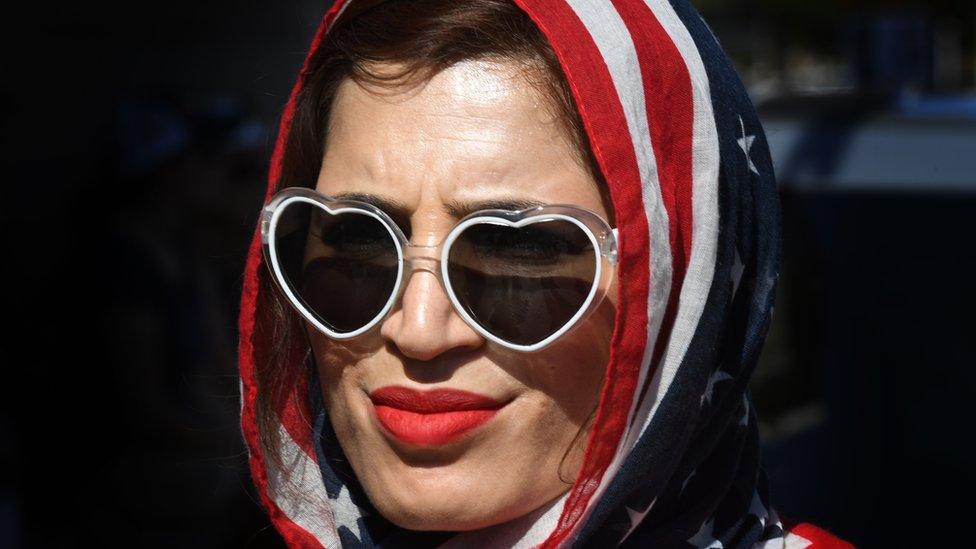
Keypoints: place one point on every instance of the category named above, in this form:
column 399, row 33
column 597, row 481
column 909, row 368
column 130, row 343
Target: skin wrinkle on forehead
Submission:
column 479, row 83
column 459, row 136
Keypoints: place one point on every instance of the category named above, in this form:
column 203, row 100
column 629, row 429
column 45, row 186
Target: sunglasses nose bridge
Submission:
column 422, row 258
column 413, row 252
column 431, row 264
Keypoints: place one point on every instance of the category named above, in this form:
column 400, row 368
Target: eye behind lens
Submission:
column 354, row 236
column 341, row 268
column 522, row 284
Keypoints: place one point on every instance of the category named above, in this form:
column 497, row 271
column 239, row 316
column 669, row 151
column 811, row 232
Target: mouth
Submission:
column 431, row 418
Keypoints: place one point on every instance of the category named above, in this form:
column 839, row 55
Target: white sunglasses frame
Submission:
column 601, row 235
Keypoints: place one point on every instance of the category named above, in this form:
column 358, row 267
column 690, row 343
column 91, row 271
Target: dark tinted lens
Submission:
column 522, row 284
column 342, row 267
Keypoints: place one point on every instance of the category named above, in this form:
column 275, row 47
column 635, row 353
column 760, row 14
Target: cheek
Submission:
column 341, row 370
column 571, row 372
column 337, row 366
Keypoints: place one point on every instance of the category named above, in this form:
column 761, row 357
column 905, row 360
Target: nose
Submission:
column 426, row 324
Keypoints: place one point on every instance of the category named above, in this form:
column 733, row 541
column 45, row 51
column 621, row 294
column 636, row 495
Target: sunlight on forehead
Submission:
column 483, row 83
column 478, row 130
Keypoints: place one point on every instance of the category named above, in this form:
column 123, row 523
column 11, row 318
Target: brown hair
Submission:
column 420, row 38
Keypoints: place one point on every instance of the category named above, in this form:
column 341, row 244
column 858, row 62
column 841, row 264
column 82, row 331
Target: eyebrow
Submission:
column 401, row 213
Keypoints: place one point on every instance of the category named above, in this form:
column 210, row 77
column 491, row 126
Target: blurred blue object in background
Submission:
column 908, row 144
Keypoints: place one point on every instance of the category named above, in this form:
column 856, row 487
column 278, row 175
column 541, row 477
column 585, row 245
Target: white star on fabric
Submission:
column 758, row 509
column 745, row 414
column 345, row 512
column 745, row 143
column 636, row 517
column 705, row 538
column 737, row 269
column 719, row 375
column 685, row 483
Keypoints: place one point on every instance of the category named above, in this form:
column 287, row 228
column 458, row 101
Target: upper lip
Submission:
column 432, row 401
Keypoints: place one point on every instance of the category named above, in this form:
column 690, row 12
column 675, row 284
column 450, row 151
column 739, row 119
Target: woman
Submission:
column 514, row 271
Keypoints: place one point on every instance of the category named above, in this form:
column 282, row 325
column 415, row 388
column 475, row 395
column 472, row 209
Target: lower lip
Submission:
column 430, row 429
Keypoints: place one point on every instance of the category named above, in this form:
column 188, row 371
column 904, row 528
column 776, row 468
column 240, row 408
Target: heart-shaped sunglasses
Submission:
column 520, row 278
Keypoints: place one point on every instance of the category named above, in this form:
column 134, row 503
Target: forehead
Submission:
column 478, row 130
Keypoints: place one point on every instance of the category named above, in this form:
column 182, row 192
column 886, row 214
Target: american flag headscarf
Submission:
column 673, row 456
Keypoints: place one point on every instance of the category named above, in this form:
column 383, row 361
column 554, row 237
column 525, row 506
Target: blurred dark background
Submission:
column 135, row 149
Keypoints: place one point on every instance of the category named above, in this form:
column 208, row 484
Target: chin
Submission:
column 436, row 520
column 471, row 486
column 426, row 499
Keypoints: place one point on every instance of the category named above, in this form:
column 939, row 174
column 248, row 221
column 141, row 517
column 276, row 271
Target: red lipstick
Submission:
column 431, row 417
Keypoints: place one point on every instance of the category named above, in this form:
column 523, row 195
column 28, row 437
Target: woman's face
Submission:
column 477, row 131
